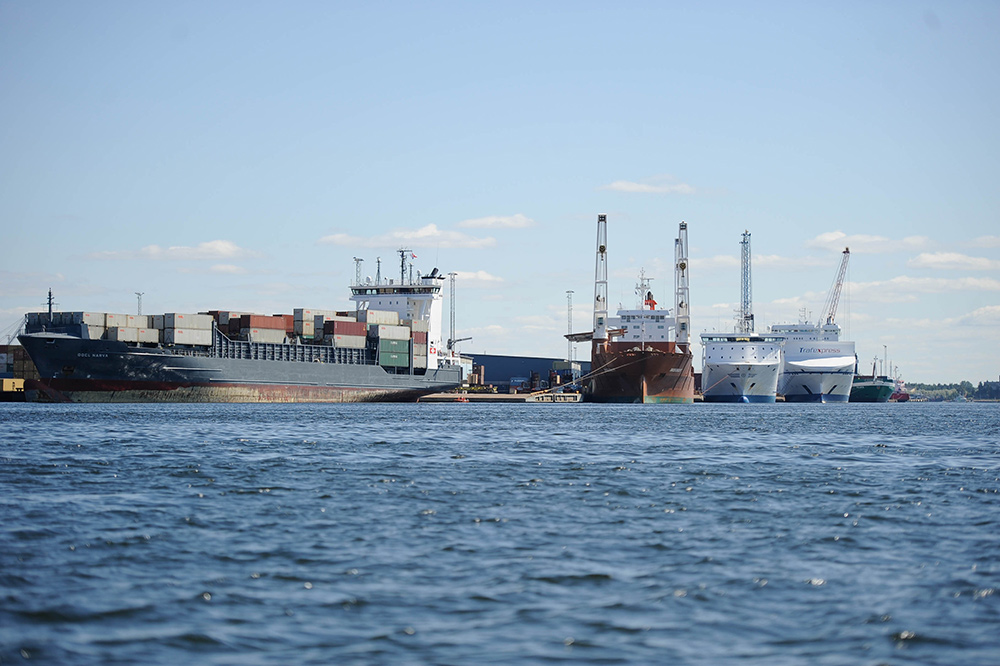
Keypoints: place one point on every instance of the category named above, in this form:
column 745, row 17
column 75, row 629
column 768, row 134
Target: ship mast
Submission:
column 682, row 311
column 601, row 281
column 746, row 300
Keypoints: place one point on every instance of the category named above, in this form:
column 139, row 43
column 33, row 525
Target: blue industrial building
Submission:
column 527, row 372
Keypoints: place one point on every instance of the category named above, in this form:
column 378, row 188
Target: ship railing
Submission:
column 270, row 351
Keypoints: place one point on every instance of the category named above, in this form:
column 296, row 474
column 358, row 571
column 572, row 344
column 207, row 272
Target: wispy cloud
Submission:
column 662, row 184
column 476, row 279
column 758, row 261
column 216, row 249
column 718, row 261
column 952, row 261
column 987, row 241
column 426, row 236
column 866, row 244
column 218, row 269
column 517, row 221
column 15, row 284
column 985, row 316
column 907, row 289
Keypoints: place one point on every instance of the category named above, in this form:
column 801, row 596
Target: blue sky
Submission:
column 237, row 155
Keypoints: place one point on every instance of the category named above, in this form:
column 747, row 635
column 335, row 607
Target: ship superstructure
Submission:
column 741, row 366
column 642, row 355
column 387, row 349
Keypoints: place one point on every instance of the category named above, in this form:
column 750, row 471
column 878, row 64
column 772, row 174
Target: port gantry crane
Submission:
column 833, row 298
column 745, row 318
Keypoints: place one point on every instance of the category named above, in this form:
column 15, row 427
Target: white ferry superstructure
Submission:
column 737, row 367
column 816, row 365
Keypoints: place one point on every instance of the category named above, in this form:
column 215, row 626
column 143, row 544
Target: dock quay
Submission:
column 507, row 398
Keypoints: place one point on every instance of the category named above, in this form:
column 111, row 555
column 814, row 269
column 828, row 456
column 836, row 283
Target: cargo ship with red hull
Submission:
column 641, row 355
column 388, row 348
column 652, row 373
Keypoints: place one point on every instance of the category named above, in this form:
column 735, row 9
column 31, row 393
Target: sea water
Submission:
column 500, row 534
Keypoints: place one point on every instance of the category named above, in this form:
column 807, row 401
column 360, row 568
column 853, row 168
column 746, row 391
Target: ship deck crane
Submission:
column 833, row 298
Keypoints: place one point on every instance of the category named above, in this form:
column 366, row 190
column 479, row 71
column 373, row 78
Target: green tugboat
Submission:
column 871, row 388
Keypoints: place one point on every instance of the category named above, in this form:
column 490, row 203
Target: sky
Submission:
column 239, row 155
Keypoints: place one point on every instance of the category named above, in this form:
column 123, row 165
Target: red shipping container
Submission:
column 420, row 337
column 262, row 321
column 345, row 328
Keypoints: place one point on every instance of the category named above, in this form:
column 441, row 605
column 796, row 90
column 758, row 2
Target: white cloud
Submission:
column 216, row 249
column 517, row 221
column 866, row 244
column 985, row 316
column 906, row 289
column 664, row 184
column 16, row 284
column 475, row 279
column 540, row 323
column 952, row 260
column 229, row 269
column 987, row 241
column 426, row 236
column 757, row 261
column 718, row 261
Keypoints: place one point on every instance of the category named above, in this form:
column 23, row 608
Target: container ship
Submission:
column 387, row 349
column 741, row 366
column 642, row 355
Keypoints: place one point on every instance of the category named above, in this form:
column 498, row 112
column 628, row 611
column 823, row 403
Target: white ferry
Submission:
column 737, row 367
column 741, row 366
column 816, row 366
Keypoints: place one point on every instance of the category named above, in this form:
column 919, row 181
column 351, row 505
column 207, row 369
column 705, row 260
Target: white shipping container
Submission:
column 91, row 318
column 386, row 332
column 187, row 336
column 123, row 334
column 307, row 314
column 420, row 326
column 115, row 320
column 305, row 327
column 148, row 335
column 419, row 349
column 419, row 361
column 224, row 317
column 185, row 321
column 264, row 335
column 349, row 341
column 156, row 322
column 138, row 321
column 88, row 332
column 384, row 317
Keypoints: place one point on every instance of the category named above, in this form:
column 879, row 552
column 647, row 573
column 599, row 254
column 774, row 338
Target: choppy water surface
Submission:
column 459, row 534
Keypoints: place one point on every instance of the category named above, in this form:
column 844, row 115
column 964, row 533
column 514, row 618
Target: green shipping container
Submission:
column 397, row 346
column 393, row 360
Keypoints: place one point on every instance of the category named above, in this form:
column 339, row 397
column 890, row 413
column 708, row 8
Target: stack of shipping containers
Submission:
column 391, row 342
